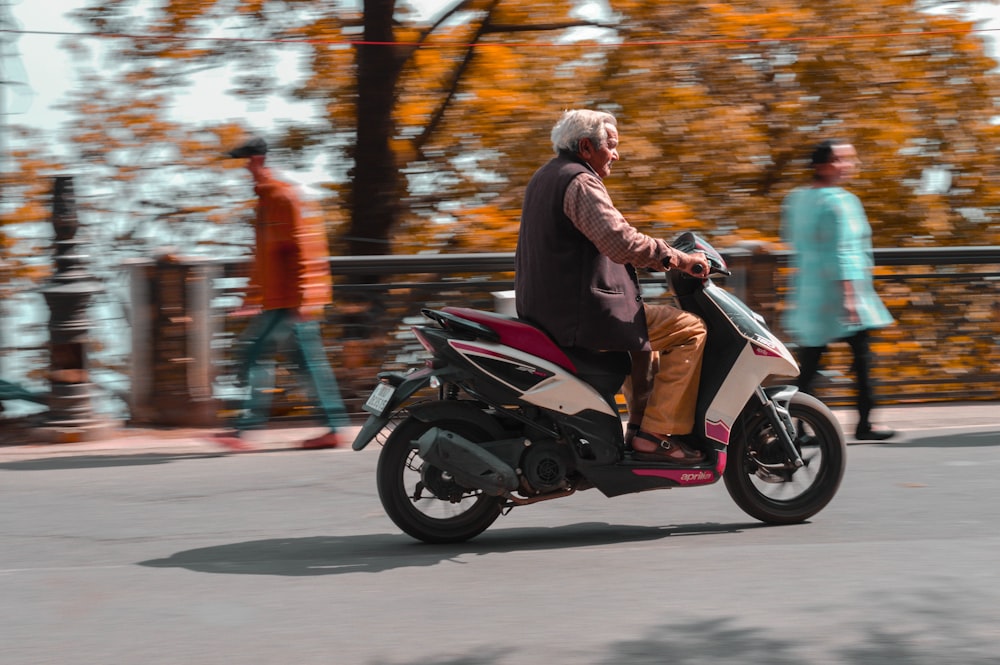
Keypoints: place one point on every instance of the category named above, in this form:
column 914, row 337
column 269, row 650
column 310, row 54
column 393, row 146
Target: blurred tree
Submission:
column 25, row 236
column 431, row 127
column 743, row 90
column 24, row 232
column 152, row 184
column 395, row 92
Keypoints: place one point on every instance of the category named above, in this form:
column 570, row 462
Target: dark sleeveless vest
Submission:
column 562, row 283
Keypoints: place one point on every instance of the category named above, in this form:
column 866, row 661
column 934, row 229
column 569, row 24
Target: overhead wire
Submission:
column 509, row 44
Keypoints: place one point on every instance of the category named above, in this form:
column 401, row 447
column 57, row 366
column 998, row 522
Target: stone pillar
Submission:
column 68, row 294
column 173, row 365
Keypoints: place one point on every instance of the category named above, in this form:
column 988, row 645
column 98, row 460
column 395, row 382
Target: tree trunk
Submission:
column 376, row 188
column 376, row 183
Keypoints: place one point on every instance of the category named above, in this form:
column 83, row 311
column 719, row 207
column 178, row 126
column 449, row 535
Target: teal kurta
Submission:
column 832, row 242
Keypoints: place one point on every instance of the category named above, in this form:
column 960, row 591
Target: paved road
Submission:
column 179, row 554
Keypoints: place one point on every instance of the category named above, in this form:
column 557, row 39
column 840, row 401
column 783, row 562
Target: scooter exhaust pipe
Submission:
column 468, row 463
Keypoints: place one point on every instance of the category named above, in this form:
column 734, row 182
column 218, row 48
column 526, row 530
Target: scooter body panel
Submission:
column 531, row 379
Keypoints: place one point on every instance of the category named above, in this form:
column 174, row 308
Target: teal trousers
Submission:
column 279, row 328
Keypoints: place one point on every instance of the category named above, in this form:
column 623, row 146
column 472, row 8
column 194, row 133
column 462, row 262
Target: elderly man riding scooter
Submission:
column 576, row 279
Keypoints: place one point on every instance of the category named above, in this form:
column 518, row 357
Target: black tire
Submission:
column 788, row 497
column 401, row 476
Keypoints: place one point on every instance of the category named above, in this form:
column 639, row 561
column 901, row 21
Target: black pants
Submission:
column 809, row 359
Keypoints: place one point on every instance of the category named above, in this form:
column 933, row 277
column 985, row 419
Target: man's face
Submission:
column 601, row 157
column 255, row 165
column 843, row 165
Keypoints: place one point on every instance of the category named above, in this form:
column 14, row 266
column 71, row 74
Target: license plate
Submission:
column 379, row 399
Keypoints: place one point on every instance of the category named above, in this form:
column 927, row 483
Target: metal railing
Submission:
column 945, row 346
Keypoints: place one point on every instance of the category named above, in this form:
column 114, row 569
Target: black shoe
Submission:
column 869, row 434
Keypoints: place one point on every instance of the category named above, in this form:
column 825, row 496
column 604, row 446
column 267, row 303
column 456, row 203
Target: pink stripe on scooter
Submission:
column 718, row 431
column 516, row 333
column 720, row 463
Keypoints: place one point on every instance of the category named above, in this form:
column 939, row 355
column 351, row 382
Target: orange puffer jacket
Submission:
column 291, row 265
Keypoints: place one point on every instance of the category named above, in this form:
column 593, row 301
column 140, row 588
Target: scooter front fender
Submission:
column 782, row 394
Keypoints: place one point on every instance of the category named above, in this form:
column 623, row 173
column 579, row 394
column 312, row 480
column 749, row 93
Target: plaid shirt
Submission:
column 588, row 205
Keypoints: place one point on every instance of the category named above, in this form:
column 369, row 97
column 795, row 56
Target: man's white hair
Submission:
column 581, row 124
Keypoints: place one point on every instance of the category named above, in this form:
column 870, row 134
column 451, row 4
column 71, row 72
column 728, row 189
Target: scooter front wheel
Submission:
column 424, row 501
column 760, row 481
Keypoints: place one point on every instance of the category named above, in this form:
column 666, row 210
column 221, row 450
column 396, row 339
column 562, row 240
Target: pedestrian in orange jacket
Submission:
column 289, row 289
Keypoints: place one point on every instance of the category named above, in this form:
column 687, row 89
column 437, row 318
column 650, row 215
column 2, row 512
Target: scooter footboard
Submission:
column 631, row 477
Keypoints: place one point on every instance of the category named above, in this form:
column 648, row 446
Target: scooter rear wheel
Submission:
column 423, row 500
column 786, row 496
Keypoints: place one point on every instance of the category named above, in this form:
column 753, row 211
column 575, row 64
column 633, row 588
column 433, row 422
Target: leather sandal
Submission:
column 672, row 449
column 630, row 431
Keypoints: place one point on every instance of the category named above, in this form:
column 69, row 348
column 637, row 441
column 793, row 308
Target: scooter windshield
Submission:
column 745, row 321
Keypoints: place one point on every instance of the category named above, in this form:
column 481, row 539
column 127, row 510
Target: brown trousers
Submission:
column 662, row 389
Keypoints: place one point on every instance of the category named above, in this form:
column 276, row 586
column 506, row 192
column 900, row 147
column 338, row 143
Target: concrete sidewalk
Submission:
column 910, row 421
column 175, row 441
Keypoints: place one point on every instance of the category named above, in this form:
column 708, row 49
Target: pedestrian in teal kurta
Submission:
column 833, row 296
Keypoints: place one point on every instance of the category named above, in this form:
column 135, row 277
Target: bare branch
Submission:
column 545, row 27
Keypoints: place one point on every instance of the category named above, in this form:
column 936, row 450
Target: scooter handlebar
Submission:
column 714, row 268
column 689, row 242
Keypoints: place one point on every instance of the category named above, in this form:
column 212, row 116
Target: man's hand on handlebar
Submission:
column 694, row 264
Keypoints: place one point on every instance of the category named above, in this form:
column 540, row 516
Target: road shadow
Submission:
column 73, row 461
column 730, row 639
column 99, row 461
column 376, row 553
column 939, row 440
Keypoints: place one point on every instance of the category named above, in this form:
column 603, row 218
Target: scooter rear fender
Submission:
column 405, row 386
column 431, row 412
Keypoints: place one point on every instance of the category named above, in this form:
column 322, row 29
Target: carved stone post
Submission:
column 68, row 294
